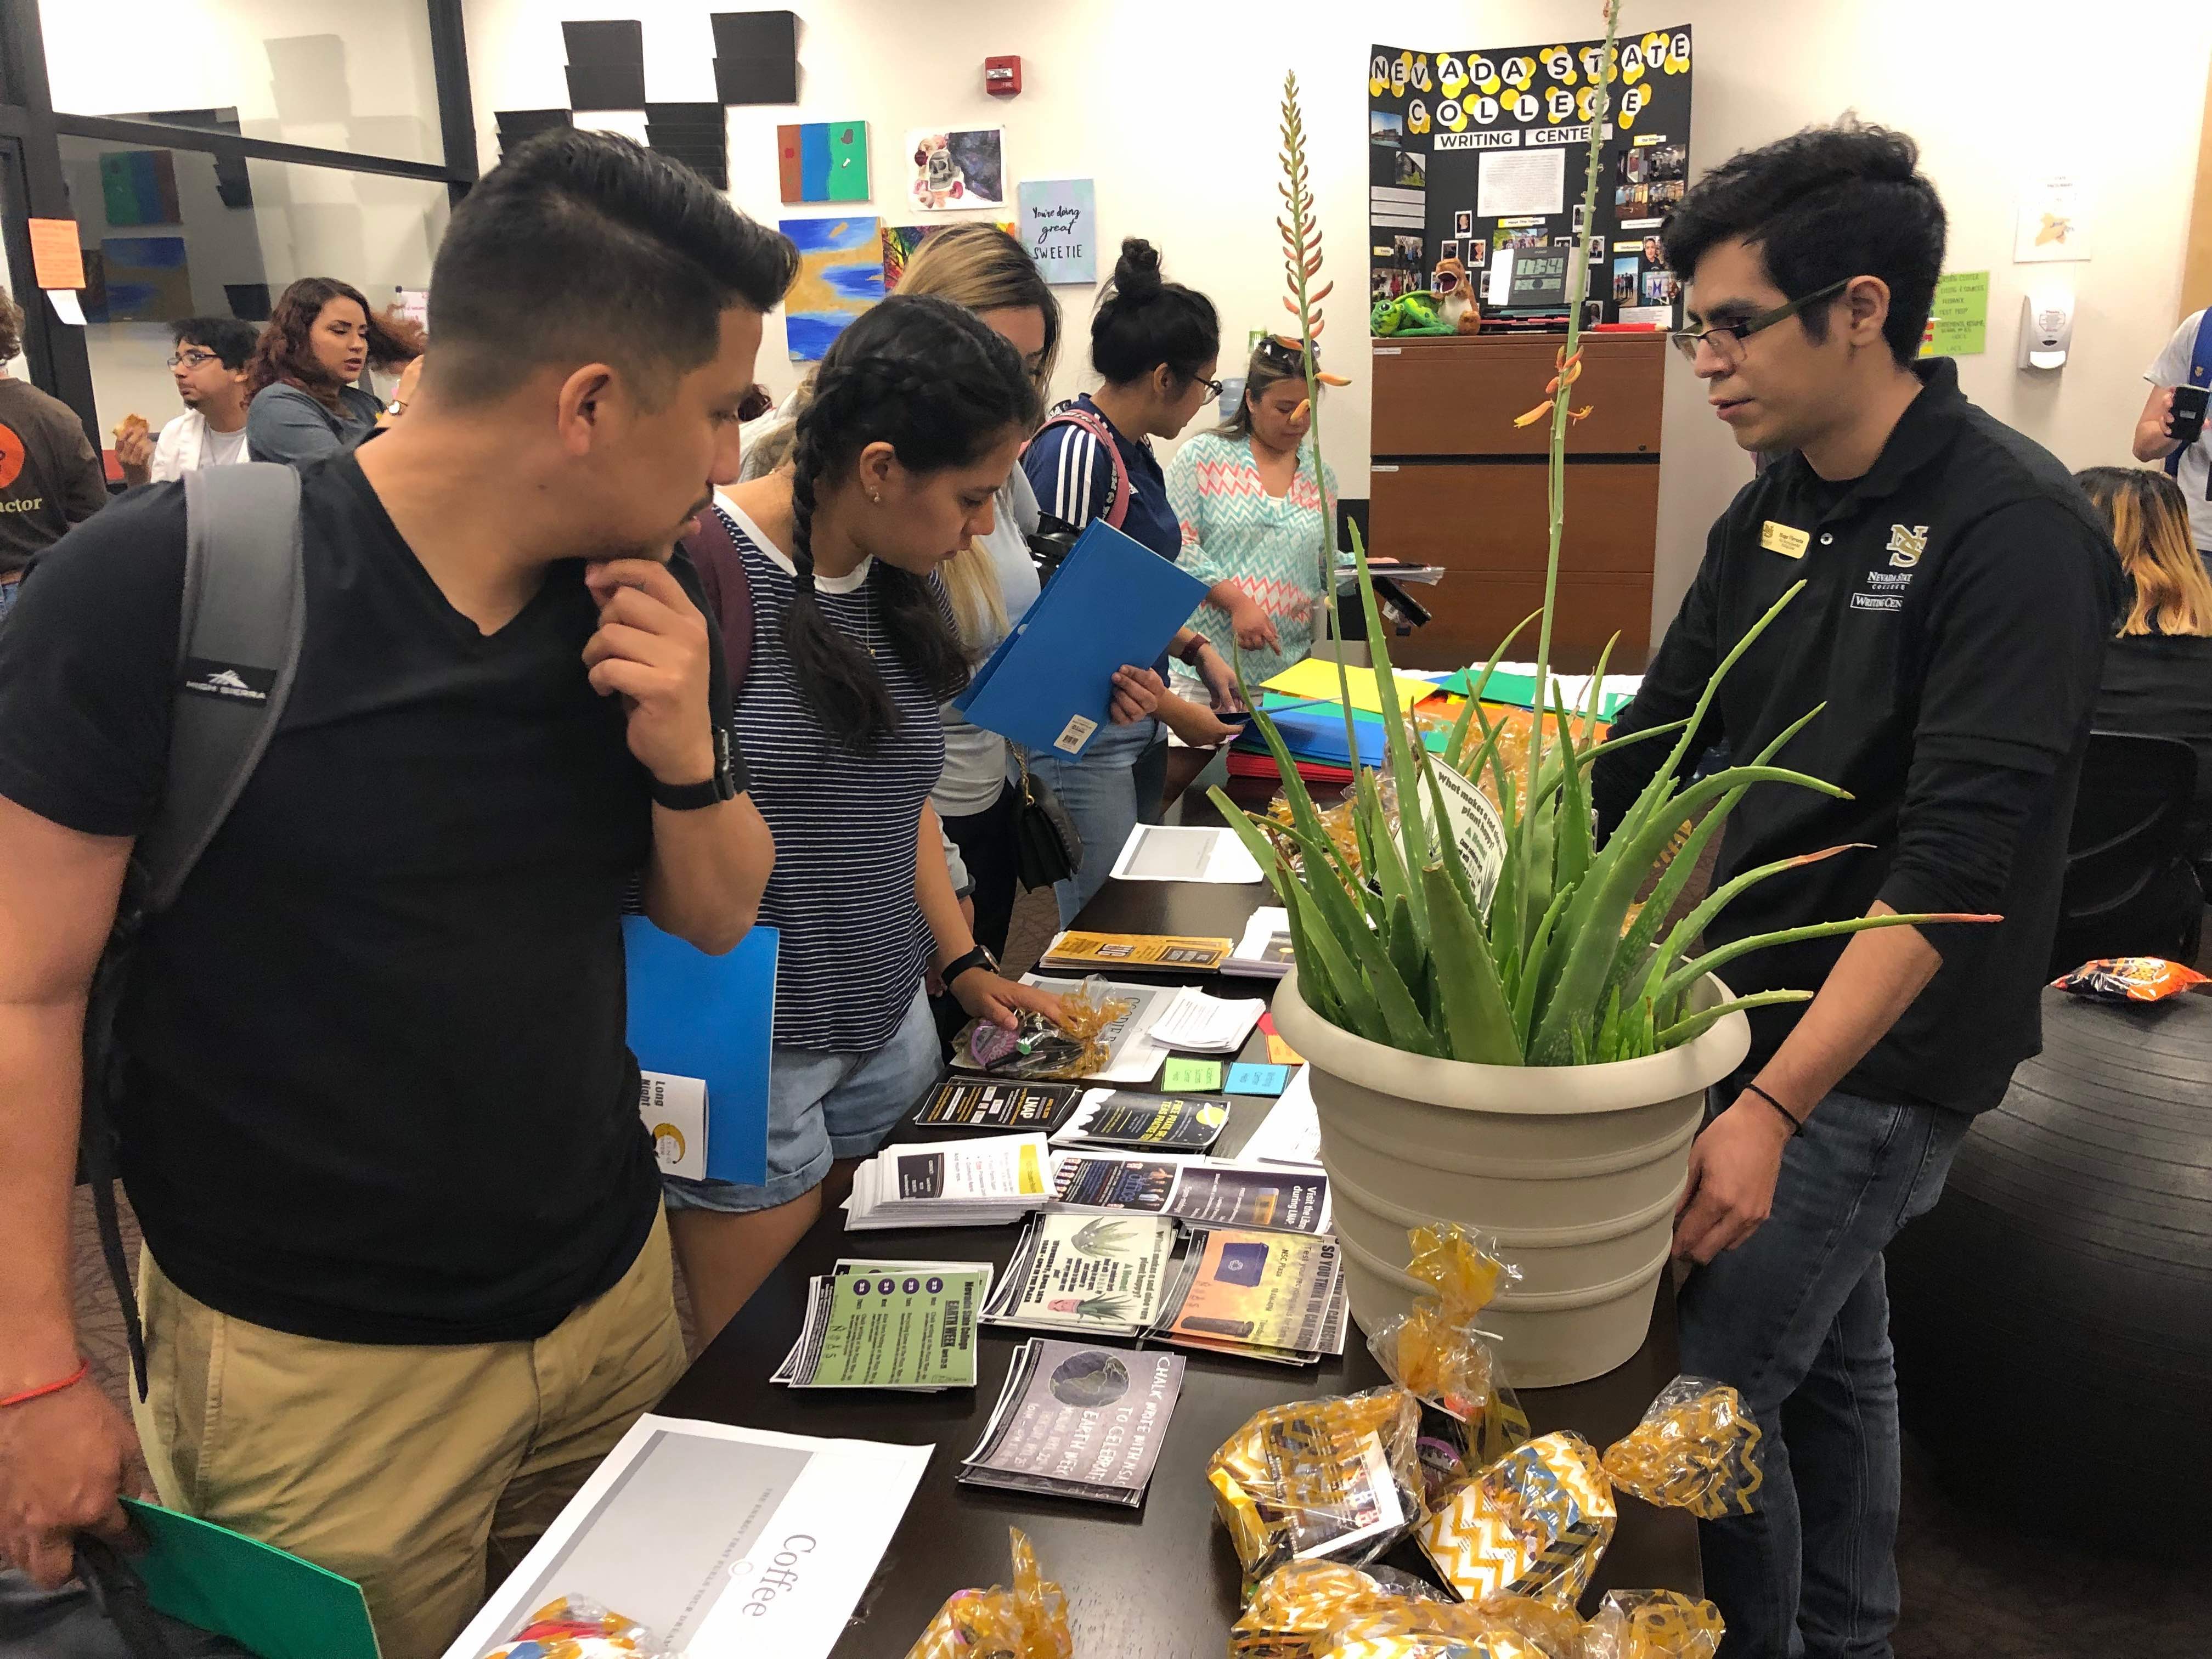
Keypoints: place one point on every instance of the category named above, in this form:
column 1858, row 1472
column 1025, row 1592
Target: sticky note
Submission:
column 1193, row 1076
column 1281, row 1054
column 1246, row 1079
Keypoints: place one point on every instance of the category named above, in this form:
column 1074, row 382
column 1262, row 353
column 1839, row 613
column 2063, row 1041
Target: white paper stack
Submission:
column 1264, row 952
column 1198, row 1024
column 984, row 1182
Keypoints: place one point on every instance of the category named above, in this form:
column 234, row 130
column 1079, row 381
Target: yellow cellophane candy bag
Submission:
column 1339, row 1478
column 1653, row 1625
column 1029, row 1621
column 1437, row 1353
column 1429, row 1629
column 1534, row 1523
column 1697, row 1448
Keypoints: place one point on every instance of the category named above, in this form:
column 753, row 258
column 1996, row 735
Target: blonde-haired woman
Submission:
column 994, row 582
column 2158, row 673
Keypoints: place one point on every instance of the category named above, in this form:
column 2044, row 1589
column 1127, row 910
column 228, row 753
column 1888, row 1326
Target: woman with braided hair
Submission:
column 918, row 413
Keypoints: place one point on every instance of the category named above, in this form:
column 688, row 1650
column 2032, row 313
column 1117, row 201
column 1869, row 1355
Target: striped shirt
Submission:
column 853, row 942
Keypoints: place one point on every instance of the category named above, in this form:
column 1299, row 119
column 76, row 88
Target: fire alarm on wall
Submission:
column 1002, row 76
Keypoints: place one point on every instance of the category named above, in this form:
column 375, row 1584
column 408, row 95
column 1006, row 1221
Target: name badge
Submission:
column 1781, row 538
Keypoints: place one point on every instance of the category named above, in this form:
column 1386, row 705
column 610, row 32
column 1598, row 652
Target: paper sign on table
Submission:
column 263, row 1598
column 1246, row 1078
column 1202, row 1076
column 1316, row 679
column 1175, row 852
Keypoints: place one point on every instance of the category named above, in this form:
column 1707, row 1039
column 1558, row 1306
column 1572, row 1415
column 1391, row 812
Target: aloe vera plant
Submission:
column 1395, row 944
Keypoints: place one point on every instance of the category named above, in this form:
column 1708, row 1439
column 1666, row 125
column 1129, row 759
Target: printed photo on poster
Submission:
column 1654, row 255
column 961, row 168
column 1624, row 282
column 1463, row 224
column 1582, row 219
column 1658, row 287
column 841, row 274
column 1478, row 253
column 1450, row 252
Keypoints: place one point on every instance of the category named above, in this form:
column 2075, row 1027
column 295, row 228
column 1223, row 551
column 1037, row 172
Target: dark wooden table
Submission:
column 1160, row 1582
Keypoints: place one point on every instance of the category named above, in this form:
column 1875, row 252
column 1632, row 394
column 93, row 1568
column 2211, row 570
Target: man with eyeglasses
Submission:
column 209, row 365
column 1957, row 592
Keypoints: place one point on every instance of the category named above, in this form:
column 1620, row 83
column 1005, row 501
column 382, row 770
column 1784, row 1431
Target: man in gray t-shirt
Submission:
column 2152, row 443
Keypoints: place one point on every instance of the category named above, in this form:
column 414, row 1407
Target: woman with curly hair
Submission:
column 321, row 334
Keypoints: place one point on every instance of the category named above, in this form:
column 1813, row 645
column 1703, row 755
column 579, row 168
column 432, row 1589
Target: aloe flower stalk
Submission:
column 1395, row 943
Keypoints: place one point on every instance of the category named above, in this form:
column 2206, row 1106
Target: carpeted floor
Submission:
column 1974, row 1586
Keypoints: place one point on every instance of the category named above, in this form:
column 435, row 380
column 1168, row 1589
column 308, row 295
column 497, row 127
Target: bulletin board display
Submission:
column 1469, row 152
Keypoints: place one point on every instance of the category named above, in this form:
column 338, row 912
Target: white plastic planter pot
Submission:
column 1575, row 1169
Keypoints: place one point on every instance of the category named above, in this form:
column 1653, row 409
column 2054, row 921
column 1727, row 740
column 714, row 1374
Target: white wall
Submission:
column 1171, row 106
column 339, row 74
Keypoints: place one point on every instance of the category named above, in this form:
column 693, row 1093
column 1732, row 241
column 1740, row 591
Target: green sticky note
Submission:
column 1195, row 1076
column 263, row 1598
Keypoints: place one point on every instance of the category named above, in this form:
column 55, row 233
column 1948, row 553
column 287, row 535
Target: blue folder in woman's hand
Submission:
column 1113, row 601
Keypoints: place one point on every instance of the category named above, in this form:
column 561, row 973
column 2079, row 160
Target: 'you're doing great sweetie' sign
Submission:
column 1059, row 226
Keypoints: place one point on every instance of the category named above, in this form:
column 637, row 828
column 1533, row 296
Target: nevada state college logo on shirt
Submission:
column 1905, row 546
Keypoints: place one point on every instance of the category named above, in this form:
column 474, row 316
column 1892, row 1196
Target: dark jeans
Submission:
column 1797, row 1319
column 986, row 840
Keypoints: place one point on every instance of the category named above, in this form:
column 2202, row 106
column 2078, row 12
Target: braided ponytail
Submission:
column 940, row 387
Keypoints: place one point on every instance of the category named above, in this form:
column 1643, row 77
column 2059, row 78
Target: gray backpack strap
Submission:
column 238, row 647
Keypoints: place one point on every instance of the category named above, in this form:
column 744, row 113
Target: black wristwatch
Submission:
column 981, row 957
column 726, row 783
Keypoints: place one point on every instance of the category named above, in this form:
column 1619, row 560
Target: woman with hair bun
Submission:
column 1155, row 345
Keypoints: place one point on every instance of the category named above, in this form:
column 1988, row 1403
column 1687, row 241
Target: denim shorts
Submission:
column 823, row 1107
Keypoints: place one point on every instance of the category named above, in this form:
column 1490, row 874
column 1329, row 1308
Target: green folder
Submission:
column 1520, row 690
column 263, row 1598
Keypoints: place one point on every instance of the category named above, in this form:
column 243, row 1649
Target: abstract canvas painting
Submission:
column 149, row 279
column 841, row 274
column 139, row 187
column 823, row 161
column 902, row 242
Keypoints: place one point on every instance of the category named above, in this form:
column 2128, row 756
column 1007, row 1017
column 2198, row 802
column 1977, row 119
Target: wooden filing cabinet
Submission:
column 1457, row 483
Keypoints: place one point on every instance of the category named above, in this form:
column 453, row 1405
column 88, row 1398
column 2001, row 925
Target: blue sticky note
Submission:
column 694, row 1015
column 1247, row 1079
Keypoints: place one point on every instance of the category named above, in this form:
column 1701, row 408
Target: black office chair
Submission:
column 2129, row 889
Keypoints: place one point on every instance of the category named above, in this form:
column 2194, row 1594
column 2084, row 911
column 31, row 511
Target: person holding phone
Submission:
column 1252, row 511
column 2171, row 426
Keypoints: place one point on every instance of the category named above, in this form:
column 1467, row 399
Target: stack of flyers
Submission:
column 1291, row 1133
column 1264, row 952
column 951, row 1183
column 1270, row 1296
column 1169, row 1123
column 1103, row 1274
column 1078, row 1422
column 890, row 1325
column 981, row 1103
column 1204, row 1191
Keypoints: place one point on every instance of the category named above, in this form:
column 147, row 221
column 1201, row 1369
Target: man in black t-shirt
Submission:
column 406, row 1276
column 1958, row 593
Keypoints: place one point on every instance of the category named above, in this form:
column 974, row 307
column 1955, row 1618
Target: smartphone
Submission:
column 2187, row 421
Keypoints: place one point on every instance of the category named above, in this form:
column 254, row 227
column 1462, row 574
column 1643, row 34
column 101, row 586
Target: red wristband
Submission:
column 84, row 1369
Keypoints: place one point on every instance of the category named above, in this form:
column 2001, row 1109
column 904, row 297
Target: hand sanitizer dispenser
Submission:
column 2046, row 326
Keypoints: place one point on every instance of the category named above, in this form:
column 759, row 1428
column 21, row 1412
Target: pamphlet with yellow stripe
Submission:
column 1168, row 951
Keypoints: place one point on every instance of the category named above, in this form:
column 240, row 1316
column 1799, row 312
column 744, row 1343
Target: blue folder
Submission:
column 694, row 1015
column 1112, row 601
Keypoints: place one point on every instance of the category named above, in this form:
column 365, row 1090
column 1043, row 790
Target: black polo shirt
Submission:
column 1957, row 604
